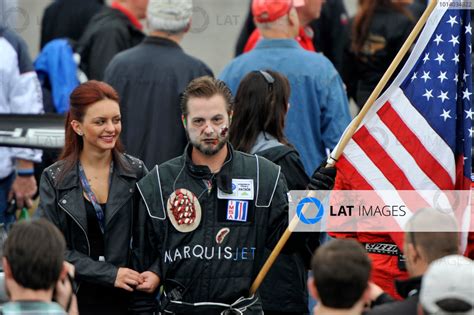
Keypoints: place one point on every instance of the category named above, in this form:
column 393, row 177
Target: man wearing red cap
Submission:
column 307, row 10
column 319, row 110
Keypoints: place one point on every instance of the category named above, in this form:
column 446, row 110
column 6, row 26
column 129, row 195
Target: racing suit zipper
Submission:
column 87, row 238
column 209, row 186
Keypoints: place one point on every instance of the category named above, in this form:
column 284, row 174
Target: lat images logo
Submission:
column 304, row 204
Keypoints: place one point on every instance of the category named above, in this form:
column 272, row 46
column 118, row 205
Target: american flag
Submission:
column 418, row 134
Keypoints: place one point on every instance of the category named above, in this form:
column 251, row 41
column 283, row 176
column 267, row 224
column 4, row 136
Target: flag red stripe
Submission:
column 427, row 163
column 381, row 159
column 352, row 178
column 387, row 166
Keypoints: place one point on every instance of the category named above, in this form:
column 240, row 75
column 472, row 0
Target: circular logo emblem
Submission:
column 200, row 20
column 184, row 210
column 301, row 215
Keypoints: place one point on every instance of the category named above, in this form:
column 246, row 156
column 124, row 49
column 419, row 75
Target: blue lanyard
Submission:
column 92, row 198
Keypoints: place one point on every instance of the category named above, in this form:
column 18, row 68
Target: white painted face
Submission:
column 207, row 123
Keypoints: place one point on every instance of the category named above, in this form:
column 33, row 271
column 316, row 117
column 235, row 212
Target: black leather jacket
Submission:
column 63, row 204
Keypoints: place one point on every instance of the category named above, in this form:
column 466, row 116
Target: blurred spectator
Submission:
column 378, row 31
column 67, row 18
column 448, row 287
column 34, row 267
column 150, row 78
column 109, row 32
column 261, row 104
column 307, row 10
column 330, row 30
column 319, row 110
column 341, row 271
column 420, row 249
column 20, row 93
column 417, row 7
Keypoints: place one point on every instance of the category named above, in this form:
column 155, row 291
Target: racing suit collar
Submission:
column 223, row 177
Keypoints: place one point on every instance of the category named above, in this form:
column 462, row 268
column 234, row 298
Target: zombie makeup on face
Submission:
column 224, row 131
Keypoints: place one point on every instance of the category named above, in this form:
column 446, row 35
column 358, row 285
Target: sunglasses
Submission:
column 268, row 77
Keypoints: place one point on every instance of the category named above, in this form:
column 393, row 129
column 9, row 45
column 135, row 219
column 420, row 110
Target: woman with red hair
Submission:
column 89, row 195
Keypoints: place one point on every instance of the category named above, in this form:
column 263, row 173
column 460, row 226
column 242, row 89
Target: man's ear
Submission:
column 312, row 288
column 293, row 17
column 184, row 121
column 414, row 253
column 64, row 271
column 368, row 296
column 6, row 269
column 188, row 27
column 231, row 114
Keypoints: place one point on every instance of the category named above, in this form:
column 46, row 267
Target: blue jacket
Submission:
column 319, row 111
column 57, row 63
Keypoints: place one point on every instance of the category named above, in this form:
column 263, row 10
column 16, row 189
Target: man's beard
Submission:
column 209, row 150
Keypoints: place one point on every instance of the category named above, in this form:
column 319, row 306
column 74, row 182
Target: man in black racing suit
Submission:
column 207, row 215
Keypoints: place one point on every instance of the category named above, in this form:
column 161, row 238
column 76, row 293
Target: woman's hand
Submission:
column 150, row 282
column 127, row 279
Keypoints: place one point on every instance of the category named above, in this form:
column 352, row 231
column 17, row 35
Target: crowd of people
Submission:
column 171, row 189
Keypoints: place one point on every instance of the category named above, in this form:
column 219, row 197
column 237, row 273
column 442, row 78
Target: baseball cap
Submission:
column 167, row 15
column 451, row 277
column 266, row 11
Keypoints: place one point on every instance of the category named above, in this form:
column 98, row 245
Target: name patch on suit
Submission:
column 242, row 189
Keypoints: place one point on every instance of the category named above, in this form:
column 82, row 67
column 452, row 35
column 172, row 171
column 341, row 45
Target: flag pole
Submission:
column 346, row 137
column 383, row 81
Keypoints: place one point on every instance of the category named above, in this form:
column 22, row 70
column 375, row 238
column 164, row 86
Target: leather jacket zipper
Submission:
column 85, row 234
column 87, row 239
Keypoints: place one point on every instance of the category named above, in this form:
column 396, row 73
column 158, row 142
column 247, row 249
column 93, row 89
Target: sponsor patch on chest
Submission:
column 237, row 210
column 242, row 189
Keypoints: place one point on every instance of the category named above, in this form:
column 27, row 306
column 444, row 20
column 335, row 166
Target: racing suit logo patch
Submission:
column 237, row 210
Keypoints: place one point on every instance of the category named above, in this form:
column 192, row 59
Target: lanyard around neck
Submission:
column 99, row 212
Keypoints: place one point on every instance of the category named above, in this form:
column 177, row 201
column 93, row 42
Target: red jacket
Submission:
column 384, row 267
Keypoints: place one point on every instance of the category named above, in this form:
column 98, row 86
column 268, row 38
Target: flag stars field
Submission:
column 469, row 113
column 452, row 20
column 446, row 114
column 424, row 104
column 438, row 39
column 442, row 76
